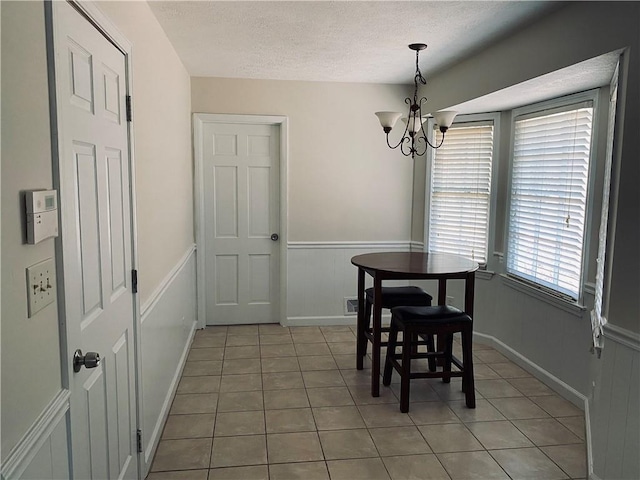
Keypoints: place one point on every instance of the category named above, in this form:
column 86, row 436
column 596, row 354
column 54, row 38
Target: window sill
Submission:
column 485, row 274
column 571, row 307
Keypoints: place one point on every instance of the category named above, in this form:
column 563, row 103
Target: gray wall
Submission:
column 30, row 346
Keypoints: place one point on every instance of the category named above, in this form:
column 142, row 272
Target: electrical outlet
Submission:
column 41, row 285
column 450, row 301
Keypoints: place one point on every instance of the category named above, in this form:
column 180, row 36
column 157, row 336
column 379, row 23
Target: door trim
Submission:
column 199, row 121
column 106, row 27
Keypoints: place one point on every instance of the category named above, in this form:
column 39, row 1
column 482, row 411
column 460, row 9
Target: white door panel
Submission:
column 96, row 245
column 241, row 212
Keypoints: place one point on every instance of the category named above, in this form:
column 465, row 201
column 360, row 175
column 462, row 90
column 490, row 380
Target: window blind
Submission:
column 548, row 197
column 460, row 192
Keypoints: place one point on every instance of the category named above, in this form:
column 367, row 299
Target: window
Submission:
column 548, row 197
column 460, row 191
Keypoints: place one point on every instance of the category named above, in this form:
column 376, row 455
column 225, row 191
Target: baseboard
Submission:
column 339, row 320
column 154, row 439
column 558, row 385
column 25, row 451
column 350, row 320
column 588, row 439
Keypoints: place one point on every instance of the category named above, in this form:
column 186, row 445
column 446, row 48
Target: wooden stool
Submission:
column 439, row 320
column 391, row 297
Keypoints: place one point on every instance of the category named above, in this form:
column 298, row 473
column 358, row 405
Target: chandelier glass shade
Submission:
column 414, row 140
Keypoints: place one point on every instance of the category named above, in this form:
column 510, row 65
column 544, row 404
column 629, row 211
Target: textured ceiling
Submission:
column 345, row 41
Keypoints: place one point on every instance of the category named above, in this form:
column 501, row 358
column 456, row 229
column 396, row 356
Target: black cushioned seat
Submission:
column 391, row 297
column 441, row 320
column 437, row 313
column 400, row 296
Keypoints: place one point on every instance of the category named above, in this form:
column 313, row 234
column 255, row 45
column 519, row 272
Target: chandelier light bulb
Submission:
column 388, row 119
column 444, row 119
column 414, row 124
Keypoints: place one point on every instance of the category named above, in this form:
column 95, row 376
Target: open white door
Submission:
column 95, row 205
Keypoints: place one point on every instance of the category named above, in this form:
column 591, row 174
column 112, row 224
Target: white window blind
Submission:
column 549, row 180
column 460, row 192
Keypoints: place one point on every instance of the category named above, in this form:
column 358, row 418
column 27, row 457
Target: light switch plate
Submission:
column 41, row 285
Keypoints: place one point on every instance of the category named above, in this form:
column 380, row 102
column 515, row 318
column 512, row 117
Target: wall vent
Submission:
column 350, row 306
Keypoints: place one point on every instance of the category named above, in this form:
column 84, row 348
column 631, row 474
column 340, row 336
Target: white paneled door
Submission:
column 241, row 222
column 96, row 246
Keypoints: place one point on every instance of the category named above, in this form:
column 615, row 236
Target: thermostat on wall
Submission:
column 42, row 215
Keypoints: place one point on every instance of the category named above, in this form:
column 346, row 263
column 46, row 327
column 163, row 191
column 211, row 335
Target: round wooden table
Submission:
column 407, row 266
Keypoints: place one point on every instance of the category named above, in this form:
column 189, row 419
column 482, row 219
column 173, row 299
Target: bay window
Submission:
column 460, row 191
column 551, row 151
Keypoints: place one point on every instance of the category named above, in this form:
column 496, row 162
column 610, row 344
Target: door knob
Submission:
column 90, row 360
column 274, row 237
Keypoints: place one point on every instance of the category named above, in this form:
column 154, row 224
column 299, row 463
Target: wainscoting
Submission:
column 168, row 322
column 320, row 276
column 615, row 407
column 43, row 452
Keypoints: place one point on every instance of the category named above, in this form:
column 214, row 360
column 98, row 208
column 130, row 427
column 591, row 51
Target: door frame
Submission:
column 105, row 26
column 199, row 122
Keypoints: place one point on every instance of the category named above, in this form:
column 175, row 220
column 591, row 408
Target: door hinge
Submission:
column 139, row 440
column 128, row 101
column 134, row 281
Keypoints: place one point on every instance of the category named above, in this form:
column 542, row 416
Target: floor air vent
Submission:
column 350, row 306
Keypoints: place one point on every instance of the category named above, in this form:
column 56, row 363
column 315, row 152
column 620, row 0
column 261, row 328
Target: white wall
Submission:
column 162, row 132
column 344, row 183
column 30, row 346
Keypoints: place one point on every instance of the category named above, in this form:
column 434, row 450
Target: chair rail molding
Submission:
column 397, row 244
column 623, row 336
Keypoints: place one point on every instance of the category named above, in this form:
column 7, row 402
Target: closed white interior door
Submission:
column 96, row 246
column 241, row 222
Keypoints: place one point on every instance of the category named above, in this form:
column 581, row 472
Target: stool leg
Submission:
column 467, row 368
column 405, row 372
column 448, row 351
column 391, row 351
column 361, row 339
column 367, row 325
column 431, row 348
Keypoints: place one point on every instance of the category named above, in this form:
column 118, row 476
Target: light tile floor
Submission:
column 269, row 402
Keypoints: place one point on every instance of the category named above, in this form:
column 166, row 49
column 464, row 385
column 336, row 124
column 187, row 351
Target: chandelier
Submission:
column 414, row 140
